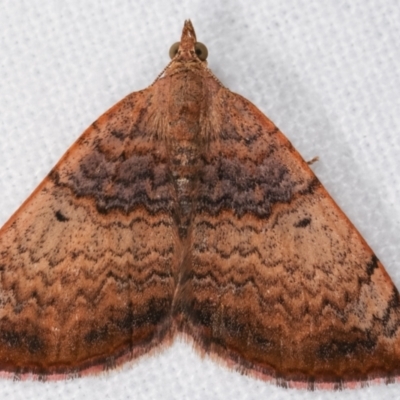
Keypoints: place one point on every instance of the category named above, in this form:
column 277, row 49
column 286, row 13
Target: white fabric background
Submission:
column 326, row 72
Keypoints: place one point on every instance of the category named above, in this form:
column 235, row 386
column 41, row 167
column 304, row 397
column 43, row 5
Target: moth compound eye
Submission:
column 173, row 50
column 201, row 51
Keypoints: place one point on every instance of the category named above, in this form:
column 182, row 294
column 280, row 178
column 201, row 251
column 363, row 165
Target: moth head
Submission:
column 188, row 49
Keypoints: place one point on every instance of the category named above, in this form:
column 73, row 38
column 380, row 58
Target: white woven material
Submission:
column 326, row 72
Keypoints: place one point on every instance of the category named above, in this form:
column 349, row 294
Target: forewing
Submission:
column 278, row 281
column 87, row 264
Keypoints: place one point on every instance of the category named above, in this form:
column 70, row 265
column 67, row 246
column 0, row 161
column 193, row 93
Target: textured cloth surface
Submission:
column 327, row 73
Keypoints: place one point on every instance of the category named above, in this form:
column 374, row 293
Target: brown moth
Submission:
column 184, row 210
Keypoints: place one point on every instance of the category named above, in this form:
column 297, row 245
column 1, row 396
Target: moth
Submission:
column 183, row 210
